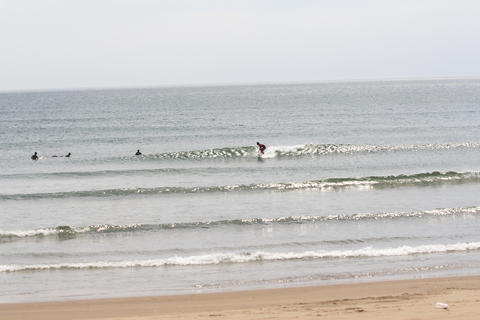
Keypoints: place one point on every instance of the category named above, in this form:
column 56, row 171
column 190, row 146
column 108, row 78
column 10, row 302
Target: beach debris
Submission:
column 441, row 305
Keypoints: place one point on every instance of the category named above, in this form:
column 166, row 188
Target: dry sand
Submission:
column 410, row 299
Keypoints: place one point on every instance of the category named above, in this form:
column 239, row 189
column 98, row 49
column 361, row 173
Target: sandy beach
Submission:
column 239, row 160
column 409, row 299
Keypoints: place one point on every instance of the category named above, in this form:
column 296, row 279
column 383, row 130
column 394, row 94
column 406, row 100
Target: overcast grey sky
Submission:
column 100, row 43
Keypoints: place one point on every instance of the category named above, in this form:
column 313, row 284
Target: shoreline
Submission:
column 398, row 299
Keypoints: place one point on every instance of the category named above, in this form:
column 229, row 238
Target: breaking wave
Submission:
column 257, row 256
column 305, row 150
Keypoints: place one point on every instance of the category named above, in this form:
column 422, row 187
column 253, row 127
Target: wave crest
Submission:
column 257, row 256
column 421, row 179
column 304, row 150
column 69, row 231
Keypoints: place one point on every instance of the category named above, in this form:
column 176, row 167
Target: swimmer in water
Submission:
column 66, row 156
column 261, row 147
column 34, row 156
column 138, row 153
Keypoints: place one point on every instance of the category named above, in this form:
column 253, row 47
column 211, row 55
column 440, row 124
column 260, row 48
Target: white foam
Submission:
column 272, row 151
column 28, row 233
column 41, row 232
column 218, row 258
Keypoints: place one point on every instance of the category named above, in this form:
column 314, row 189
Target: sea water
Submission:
column 361, row 181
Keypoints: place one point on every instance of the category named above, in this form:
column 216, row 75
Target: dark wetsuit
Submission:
column 34, row 157
column 261, row 147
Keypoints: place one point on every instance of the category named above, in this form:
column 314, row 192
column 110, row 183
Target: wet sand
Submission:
column 408, row 299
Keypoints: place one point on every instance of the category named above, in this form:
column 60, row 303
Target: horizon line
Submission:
column 236, row 84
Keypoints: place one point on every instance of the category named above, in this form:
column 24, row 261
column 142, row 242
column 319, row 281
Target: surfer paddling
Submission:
column 261, row 147
column 138, row 153
column 68, row 155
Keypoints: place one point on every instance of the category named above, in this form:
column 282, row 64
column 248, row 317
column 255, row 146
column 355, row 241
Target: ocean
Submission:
column 360, row 181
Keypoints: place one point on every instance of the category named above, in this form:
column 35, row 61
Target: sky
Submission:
column 54, row 44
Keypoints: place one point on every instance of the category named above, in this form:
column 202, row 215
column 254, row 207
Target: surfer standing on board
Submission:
column 261, row 147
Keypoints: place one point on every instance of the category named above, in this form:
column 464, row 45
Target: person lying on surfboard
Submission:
column 261, row 147
column 66, row 156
